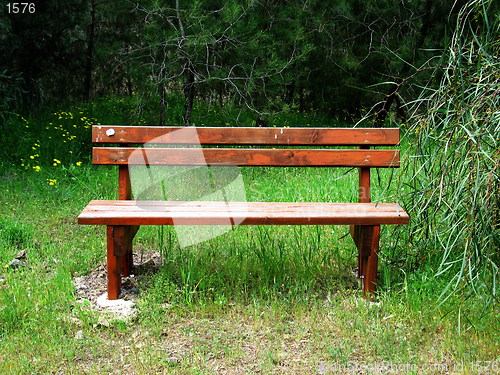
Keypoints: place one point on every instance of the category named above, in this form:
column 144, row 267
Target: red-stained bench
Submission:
column 124, row 216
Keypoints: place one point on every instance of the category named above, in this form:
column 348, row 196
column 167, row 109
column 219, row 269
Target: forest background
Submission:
column 428, row 67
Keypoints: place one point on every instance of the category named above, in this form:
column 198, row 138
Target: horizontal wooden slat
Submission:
column 245, row 157
column 246, row 136
column 133, row 212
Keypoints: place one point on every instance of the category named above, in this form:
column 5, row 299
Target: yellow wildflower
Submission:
column 78, row 163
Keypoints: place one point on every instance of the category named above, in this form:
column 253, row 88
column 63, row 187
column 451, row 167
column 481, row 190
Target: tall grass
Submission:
column 263, row 261
column 453, row 168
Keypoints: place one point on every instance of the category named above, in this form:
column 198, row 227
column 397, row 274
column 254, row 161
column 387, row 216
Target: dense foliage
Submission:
column 453, row 171
column 267, row 56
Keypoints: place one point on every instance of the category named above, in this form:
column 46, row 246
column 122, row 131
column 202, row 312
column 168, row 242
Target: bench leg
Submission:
column 367, row 239
column 114, row 261
column 127, row 259
column 119, row 238
column 370, row 273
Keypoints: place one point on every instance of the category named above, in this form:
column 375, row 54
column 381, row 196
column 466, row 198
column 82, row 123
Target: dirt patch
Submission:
column 92, row 287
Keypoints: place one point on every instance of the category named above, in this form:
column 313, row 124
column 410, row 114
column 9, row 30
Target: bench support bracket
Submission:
column 119, row 244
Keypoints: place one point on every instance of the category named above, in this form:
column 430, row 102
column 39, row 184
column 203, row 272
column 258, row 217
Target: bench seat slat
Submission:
column 248, row 136
column 132, row 205
column 246, row 213
column 245, row 157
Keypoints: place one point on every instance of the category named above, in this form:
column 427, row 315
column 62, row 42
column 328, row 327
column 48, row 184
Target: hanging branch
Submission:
column 382, row 109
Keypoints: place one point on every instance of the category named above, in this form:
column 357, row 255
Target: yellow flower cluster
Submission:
column 24, row 120
column 33, row 159
column 60, row 145
column 63, row 115
column 52, row 182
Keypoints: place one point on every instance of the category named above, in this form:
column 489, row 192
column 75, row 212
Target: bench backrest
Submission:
column 180, row 151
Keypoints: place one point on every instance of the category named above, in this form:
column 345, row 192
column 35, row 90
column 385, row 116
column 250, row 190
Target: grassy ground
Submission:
column 256, row 300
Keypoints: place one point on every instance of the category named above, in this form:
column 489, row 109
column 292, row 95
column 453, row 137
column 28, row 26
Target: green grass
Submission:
column 257, row 299
column 266, row 299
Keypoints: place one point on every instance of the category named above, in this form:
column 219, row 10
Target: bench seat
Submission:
column 133, row 212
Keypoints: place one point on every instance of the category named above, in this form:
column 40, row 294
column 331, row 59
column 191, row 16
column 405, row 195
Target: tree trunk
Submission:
column 290, row 93
column 188, row 70
column 383, row 108
column 302, row 101
column 163, row 103
column 130, row 87
column 221, row 95
column 261, row 121
column 90, row 53
column 188, row 93
column 392, row 95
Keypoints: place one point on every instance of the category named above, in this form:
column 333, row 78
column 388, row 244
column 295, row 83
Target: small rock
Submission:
column 80, row 283
column 75, row 321
column 173, row 360
column 21, row 255
column 119, row 306
column 16, row 263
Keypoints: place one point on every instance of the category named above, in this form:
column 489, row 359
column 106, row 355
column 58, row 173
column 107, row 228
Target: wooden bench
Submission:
column 124, row 216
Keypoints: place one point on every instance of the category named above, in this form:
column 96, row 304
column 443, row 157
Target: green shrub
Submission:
column 453, row 170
